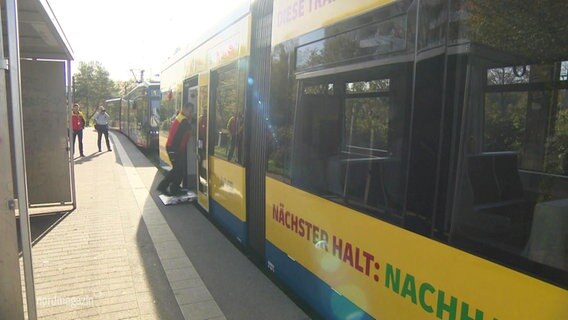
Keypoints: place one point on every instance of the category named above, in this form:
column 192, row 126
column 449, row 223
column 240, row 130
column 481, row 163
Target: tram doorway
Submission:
column 190, row 96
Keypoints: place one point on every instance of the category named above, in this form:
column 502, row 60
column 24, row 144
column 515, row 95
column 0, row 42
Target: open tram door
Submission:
column 190, row 96
column 202, row 109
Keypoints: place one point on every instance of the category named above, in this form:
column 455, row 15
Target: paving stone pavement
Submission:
column 99, row 262
column 115, row 256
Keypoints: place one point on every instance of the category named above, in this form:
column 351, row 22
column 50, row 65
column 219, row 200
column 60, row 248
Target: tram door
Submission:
column 190, row 94
column 202, row 109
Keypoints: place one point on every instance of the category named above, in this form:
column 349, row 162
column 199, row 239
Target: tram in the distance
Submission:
column 389, row 159
column 114, row 107
column 137, row 115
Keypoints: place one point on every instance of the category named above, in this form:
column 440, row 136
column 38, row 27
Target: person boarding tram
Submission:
column 176, row 147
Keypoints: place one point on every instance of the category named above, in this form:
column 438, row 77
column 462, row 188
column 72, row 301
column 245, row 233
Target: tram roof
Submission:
column 41, row 36
column 143, row 84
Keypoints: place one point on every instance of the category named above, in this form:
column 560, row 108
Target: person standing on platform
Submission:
column 176, row 147
column 101, row 124
column 78, row 124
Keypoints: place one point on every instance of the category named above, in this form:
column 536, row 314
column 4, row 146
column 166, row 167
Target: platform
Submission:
column 122, row 254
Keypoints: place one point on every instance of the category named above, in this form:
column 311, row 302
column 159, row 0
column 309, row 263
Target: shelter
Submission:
column 37, row 167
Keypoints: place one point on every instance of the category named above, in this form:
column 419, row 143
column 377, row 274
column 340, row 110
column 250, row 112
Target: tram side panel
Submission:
column 124, row 116
column 153, row 118
column 113, row 108
column 227, row 125
column 220, row 66
column 341, row 229
column 356, row 223
column 140, row 116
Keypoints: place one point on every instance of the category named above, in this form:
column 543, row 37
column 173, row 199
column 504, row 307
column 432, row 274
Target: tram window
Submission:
column 155, row 113
column 377, row 39
column 433, row 23
column 505, row 121
column 366, row 118
column 368, row 86
column 513, row 179
column 228, row 128
column 520, row 168
column 515, row 119
column 348, row 140
column 283, row 90
column 366, row 121
column 321, row 89
column 508, row 75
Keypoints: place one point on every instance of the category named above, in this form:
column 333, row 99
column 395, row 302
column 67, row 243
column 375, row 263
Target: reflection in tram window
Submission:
column 450, row 121
column 225, row 108
column 512, row 194
column 367, row 119
column 377, row 39
column 348, row 140
column 114, row 108
column 229, row 110
column 202, row 139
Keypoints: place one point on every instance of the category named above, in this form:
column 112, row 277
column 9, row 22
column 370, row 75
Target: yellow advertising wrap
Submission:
column 203, row 200
column 231, row 44
column 292, row 18
column 392, row 273
column 227, row 186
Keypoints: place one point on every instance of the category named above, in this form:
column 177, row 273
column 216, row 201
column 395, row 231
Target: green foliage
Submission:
column 281, row 113
column 505, row 121
column 171, row 100
column 92, row 86
column 535, row 29
column 123, row 87
column 367, row 120
column 557, row 143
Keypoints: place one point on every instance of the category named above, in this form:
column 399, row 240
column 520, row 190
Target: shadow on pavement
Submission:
column 40, row 226
column 164, row 301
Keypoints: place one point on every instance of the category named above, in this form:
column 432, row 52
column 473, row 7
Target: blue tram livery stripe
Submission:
column 310, row 288
column 228, row 221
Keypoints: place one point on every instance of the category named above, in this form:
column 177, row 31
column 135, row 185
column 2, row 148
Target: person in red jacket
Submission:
column 176, row 147
column 78, row 124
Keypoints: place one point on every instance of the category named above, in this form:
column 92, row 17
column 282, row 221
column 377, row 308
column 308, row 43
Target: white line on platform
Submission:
column 193, row 297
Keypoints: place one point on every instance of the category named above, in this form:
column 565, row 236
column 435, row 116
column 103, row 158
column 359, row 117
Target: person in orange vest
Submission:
column 176, row 147
column 78, row 124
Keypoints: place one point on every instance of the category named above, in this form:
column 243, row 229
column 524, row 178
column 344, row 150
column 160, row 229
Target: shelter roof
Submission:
column 41, row 36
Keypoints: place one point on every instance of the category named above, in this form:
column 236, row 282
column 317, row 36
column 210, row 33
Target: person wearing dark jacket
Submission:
column 176, row 147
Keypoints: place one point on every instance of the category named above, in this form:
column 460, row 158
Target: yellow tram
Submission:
column 389, row 159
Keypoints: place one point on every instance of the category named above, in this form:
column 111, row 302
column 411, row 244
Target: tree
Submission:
column 123, row 87
column 92, row 86
column 535, row 29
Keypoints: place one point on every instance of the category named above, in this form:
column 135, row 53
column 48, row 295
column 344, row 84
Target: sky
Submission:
column 135, row 34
